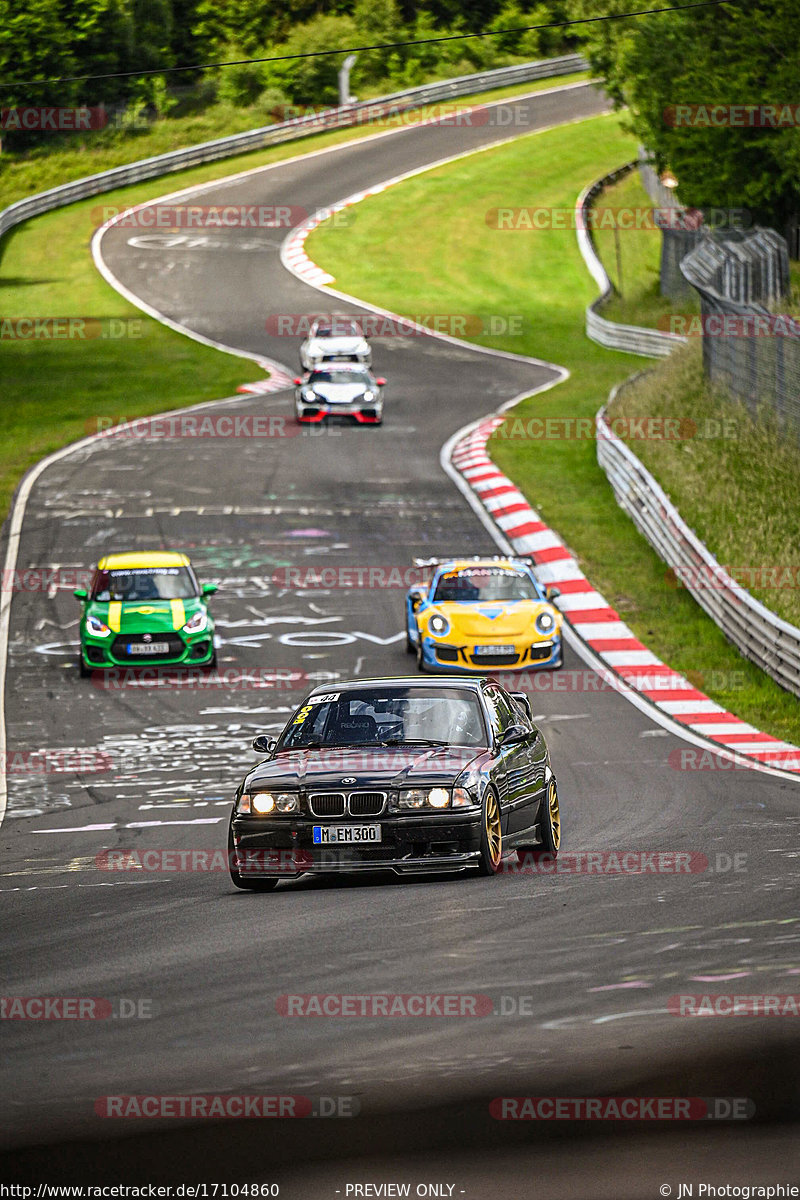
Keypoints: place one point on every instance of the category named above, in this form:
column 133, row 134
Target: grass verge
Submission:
column 539, row 277
column 734, row 481
column 632, row 258
column 53, row 390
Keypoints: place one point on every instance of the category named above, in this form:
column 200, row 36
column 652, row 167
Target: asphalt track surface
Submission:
column 580, row 966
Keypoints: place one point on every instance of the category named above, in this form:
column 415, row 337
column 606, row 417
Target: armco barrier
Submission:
column 633, row 339
column 757, row 633
column 270, row 135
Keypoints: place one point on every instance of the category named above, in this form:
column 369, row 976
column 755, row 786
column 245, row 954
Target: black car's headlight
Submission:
column 417, row 798
column 265, row 803
column 467, row 791
column 545, row 622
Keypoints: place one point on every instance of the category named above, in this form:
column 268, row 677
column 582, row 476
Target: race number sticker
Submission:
column 331, row 696
column 301, row 716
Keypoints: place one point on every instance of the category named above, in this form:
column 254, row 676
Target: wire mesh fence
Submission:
column 749, row 347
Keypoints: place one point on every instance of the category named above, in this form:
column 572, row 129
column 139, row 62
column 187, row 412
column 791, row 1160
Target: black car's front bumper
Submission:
column 284, row 847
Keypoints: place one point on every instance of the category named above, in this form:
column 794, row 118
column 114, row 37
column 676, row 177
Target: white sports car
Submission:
column 334, row 339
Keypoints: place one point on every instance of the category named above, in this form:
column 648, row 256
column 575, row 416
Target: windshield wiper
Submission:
column 413, row 742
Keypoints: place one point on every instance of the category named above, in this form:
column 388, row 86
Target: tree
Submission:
column 727, row 56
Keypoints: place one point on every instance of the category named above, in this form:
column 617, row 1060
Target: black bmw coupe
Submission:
column 396, row 774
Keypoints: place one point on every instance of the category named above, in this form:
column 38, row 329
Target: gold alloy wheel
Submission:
column 494, row 833
column 555, row 815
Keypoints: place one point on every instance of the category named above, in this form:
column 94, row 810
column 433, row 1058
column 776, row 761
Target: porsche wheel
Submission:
column 420, row 659
column 491, row 850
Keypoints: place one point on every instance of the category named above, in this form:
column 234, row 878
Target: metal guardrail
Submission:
column 633, row 339
column 270, row 135
column 758, row 634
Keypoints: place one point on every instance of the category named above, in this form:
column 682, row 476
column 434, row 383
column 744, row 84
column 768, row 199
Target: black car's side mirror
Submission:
column 264, row 744
column 514, row 734
column 81, row 594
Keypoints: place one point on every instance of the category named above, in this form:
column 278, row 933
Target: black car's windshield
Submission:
column 388, row 716
column 338, row 376
column 144, row 583
column 476, row 585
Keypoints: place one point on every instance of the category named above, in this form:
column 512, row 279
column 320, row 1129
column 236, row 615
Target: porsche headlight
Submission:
column 309, row 394
column 368, row 395
column 438, row 625
column 437, row 797
column 545, row 622
column 197, row 623
column 96, row 627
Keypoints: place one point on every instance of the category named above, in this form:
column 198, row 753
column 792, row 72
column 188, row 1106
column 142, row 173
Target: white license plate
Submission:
column 325, row 835
column 148, row 648
column 495, row 650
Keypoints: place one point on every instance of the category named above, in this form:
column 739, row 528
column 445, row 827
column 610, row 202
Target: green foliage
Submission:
column 728, row 55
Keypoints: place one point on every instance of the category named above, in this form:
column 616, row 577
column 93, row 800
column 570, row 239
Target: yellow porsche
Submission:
column 478, row 614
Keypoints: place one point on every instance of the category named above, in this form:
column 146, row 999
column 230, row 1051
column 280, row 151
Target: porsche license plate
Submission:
column 325, row 835
column 148, row 647
column 495, row 650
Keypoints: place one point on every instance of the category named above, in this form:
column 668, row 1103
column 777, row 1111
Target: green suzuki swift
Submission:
column 145, row 608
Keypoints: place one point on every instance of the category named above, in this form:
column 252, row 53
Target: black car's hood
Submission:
column 368, row 767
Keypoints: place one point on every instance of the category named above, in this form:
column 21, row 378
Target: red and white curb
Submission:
column 293, row 254
column 279, row 380
column 596, row 623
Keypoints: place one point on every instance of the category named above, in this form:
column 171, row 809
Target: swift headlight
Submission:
column 545, row 622
column 96, row 627
column 418, row 798
column 197, row 623
column 439, row 625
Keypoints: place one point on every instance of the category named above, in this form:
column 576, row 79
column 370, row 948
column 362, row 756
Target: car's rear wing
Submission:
column 432, row 563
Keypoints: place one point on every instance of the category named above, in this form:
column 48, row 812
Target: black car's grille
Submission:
column 366, row 804
column 119, row 647
column 494, row 660
column 326, row 804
